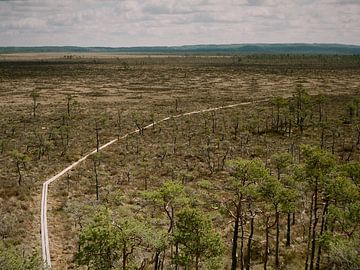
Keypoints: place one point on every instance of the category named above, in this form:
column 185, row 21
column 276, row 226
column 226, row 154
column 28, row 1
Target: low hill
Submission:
column 300, row 48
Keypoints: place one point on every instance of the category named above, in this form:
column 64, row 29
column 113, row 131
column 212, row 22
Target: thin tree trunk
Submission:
column 313, row 242
column 277, row 217
column 266, row 256
column 333, row 142
column 322, row 138
column 288, row 231
column 197, row 262
column 176, row 256
column 156, row 259
column 163, row 260
column 248, row 264
column 322, row 229
column 242, row 241
column 235, row 238
column 19, row 172
column 309, row 234
column 124, row 257
column 290, row 128
column 293, row 218
column 97, row 139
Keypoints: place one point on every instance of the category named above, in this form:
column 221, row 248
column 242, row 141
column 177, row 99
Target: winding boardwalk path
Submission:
column 44, row 228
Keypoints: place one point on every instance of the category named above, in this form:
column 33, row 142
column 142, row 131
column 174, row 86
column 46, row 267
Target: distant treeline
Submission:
column 200, row 49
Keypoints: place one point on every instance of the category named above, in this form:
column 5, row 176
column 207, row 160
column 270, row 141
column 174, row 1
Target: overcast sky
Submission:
column 120, row 23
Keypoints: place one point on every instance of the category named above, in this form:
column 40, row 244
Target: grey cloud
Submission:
column 205, row 18
column 175, row 22
column 346, row 2
column 161, row 9
column 255, row 2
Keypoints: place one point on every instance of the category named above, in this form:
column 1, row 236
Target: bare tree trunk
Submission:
column 248, row 263
column 124, row 257
column 176, row 255
column 322, row 229
column 97, row 138
column 313, row 242
column 277, row 117
column 235, row 238
column 197, row 262
column 293, row 218
column 277, row 216
column 266, row 254
column 288, row 231
column 322, row 138
column 309, row 233
column 19, row 172
column 163, row 260
column 242, row 242
column 333, row 142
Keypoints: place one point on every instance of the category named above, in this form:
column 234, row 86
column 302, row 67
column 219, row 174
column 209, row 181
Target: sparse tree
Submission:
column 278, row 103
column 34, row 96
column 171, row 196
column 196, row 238
column 273, row 191
column 13, row 259
column 301, row 105
column 139, row 122
column 20, row 160
column 320, row 102
column 69, row 99
column 318, row 164
column 246, row 176
column 108, row 243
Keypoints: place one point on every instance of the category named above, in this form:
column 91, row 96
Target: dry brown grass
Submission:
column 103, row 85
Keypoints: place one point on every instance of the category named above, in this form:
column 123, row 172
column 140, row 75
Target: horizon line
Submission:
column 184, row 45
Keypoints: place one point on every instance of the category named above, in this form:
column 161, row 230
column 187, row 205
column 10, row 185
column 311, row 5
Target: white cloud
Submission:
column 175, row 22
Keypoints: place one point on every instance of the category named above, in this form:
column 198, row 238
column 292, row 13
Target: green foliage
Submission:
column 197, row 240
column 281, row 161
column 10, row 259
column 20, row 157
column 345, row 254
column 170, row 197
column 247, row 171
column 290, row 199
column 346, row 217
column 318, row 163
column 8, row 222
column 171, row 192
column 205, row 184
column 106, row 243
column 98, row 243
column 300, row 106
column 131, row 235
column 301, row 96
column 279, row 101
column 273, row 191
column 352, row 111
column 342, row 190
column 353, row 171
column 158, row 239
